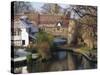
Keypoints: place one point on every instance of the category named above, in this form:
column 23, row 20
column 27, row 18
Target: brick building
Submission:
column 54, row 24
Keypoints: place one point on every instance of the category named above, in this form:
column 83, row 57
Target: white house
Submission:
column 19, row 37
column 22, row 30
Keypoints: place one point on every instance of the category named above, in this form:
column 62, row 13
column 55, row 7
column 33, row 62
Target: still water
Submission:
column 61, row 60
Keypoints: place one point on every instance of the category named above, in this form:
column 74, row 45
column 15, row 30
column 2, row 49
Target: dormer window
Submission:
column 59, row 25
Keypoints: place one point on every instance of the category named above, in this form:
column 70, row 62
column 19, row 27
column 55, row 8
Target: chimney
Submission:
column 68, row 14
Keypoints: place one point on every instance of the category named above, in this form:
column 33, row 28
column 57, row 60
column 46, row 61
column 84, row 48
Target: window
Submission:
column 23, row 42
column 16, row 31
column 19, row 32
column 15, row 42
column 29, row 30
column 58, row 25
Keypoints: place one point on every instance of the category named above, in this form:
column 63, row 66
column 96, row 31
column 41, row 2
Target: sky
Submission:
column 38, row 5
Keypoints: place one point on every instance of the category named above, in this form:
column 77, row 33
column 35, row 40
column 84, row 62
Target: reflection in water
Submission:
column 61, row 55
column 65, row 61
column 70, row 62
column 61, row 60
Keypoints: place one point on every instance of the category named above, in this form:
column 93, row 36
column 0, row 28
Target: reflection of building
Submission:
column 19, row 36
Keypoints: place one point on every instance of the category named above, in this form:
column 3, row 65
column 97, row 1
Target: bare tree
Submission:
column 49, row 8
column 86, row 23
column 20, row 7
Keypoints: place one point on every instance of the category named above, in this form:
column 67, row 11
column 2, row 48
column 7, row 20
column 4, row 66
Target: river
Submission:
column 61, row 60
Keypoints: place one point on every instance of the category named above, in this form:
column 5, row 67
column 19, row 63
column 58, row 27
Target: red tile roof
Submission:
column 46, row 19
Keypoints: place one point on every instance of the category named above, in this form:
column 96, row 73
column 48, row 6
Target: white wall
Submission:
column 25, row 36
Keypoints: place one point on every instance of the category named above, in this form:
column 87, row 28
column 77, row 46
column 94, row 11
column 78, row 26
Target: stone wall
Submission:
column 62, row 31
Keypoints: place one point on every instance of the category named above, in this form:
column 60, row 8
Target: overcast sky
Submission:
column 37, row 6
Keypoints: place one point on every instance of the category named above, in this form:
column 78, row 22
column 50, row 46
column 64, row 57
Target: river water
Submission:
column 61, row 60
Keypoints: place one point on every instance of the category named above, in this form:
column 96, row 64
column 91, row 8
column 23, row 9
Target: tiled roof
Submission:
column 45, row 19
